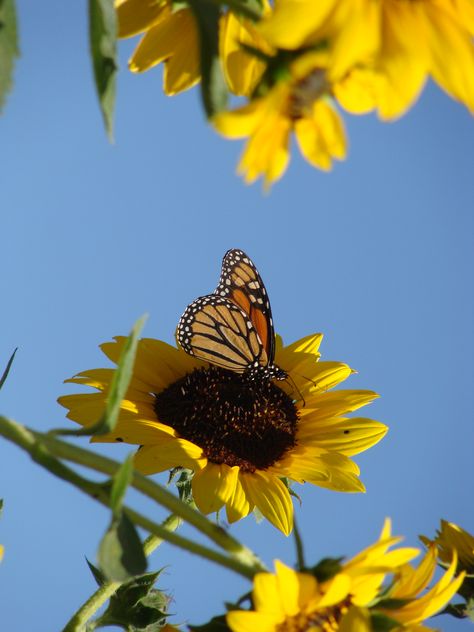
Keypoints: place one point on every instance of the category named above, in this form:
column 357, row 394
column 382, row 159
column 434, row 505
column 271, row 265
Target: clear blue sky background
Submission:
column 377, row 255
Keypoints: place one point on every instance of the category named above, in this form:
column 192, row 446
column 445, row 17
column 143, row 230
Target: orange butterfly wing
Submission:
column 243, row 285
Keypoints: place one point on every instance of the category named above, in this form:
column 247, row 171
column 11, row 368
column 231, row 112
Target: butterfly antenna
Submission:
column 293, row 383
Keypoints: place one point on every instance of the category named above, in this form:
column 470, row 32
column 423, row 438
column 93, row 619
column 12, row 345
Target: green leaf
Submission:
column 213, row 86
column 470, row 609
column 117, row 391
column 184, row 485
column 121, row 481
column 103, row 47
column 99, row 576
column 8, row 47
column 10, row 361
column 1, row 506
column 136, row 605
column 326, row 568
column 382, row 623
column 216, row 624
column 121, row 553
column 392, row 604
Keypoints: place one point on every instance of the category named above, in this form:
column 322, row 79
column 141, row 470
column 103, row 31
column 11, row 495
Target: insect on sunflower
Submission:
column 235, row 406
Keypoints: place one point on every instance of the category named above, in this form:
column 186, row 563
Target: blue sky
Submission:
column 377, row 255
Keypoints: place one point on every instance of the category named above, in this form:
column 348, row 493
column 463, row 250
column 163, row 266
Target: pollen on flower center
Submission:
column 306, row 92
column 235, row 421
column 325, row 620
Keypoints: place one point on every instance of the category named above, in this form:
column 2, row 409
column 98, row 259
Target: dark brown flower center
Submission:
column 235, row 421
column 306, row 92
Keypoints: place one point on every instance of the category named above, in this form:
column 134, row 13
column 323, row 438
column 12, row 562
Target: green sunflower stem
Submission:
column 45, row 449
column 156, row 492
column 300, row 561
column 108, row 589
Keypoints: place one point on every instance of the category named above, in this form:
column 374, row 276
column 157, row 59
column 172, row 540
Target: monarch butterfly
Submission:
column 233, row 328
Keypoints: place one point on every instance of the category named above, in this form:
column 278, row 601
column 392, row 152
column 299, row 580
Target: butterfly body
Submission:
column 233, row 328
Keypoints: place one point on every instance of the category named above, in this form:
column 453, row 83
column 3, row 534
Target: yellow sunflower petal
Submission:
column 301, row 465
column 452, row 55
column 355, row 620
column 151, row 459
column 238, row 505
column 357, row 41
column 157, row 364
column 403, row 58
column 316, row 377
column 242, row 121
column 451, row 537
column 266, row 595
column 137, row 432
column 266, row 153
column 308, row 344
column 335, row 403
column 321, row 136
column 85, row 408
column 342, row 482
column 172, row 39
column 100, row 379
column 242, row 70
column 243, row 621
column 307, row 590
column 96, row 378
column 288, row 588
column 335, row 590
column 213, row 486
column 348, row 436
column 306, row 17
column 431, row 602
column 135, row 16
column 271, row 497
column 311, row 144
column 359, row 91
column 412, row 581
column 183, row 68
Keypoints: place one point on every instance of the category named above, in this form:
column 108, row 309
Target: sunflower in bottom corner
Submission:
column 353, row 597
column 240, row 440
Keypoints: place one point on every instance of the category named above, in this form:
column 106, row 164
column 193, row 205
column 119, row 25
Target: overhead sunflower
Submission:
column 240, row 439
column 388, row 49
column 297, row 102
column 169, row 35
column 352, row 598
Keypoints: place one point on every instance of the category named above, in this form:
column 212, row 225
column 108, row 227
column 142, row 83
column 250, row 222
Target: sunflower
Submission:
column 409, row 585
column 450, row 538
column 298, row 102
column 170, row 35
column 290, row 601
column 394, row 46
column 242, row 440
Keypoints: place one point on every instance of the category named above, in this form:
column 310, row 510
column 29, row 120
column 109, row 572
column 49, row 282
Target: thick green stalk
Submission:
column 88, row 609
column 153, row 490
column 32, row 442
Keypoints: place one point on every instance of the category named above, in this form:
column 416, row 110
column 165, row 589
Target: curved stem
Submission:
column 88, row 609
column 300, row 563
column 241, row 560
column 156, row 492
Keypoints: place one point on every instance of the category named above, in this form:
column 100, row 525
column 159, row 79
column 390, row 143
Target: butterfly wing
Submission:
column 217, row 330
column 242, row 284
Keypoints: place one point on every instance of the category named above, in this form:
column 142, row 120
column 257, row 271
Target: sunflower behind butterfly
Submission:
column 225, row 411
column 233, row 328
